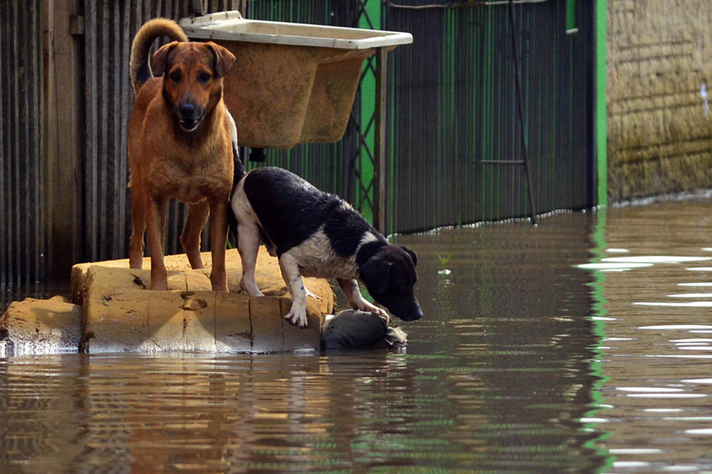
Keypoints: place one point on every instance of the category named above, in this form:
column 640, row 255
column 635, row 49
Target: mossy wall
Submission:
column 659, row 127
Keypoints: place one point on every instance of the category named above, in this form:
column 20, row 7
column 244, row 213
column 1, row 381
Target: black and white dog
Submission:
column 317, row 234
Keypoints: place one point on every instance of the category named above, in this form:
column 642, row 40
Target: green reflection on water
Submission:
column 599, row 330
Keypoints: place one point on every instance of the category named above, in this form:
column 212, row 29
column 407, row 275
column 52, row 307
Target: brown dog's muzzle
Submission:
column 189, row 116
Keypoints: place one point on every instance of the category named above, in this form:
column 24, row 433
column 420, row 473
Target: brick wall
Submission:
column 659, row 131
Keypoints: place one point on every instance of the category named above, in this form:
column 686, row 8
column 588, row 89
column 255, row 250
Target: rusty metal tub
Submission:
column 292, row 83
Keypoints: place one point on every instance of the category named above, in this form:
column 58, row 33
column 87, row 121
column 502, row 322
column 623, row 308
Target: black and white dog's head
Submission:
column 388, row 271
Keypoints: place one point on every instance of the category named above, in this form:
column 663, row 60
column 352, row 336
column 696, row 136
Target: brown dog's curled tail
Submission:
column 152, row 29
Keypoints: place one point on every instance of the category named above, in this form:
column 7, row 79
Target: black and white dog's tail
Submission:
column 239, row 173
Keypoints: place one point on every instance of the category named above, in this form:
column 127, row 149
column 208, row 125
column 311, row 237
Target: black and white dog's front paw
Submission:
column 297, row 316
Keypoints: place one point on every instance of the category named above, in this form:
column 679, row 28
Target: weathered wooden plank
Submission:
column 4, row 192
column 92, row 118
column 115, row 156
column 39, row 248
column 126, row 101
column 15, row 150
column 103, row 61
column 64, row 131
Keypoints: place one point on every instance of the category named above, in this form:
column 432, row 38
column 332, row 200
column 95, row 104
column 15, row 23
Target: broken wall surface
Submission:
column 659, row 72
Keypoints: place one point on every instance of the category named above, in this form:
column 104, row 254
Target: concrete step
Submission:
column 113, row 311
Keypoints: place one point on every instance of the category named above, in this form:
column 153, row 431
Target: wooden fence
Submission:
column 23, row 211
column 66, row 100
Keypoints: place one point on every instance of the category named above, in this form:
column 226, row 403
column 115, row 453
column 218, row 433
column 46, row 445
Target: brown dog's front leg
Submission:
column 190, row 238
column 155, row 222
column 138, row 212
column 218, row 240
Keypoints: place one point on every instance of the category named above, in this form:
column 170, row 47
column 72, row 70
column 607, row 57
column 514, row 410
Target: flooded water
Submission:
column 524, row 362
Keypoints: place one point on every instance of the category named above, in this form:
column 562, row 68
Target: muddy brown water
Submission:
column 524, row 362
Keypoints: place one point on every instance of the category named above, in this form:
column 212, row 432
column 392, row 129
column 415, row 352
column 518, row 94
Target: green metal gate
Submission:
column 452, row 110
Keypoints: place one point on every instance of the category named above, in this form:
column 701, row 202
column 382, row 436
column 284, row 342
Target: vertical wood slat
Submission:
column 39, row 248
column 8, row 103
column 4, row 250
column 15, row 151
column 64, row 125
column 91, row 174
column 33, row 112
column 103, row 103
column 24, row 211
column 115, row 125
column 122, row 210
column 21, row 144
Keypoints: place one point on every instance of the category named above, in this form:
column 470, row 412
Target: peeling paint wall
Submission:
column 659, row 71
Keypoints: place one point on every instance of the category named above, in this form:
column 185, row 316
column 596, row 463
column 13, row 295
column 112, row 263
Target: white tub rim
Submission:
column 213, row 27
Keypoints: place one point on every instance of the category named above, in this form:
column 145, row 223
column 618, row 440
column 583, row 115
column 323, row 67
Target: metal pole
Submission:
column 379, row 152
column 520, row 104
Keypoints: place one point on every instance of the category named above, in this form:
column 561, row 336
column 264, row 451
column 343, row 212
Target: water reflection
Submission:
column 501, row 375
column 657, row 345
column 582, row 345
column 277, row 413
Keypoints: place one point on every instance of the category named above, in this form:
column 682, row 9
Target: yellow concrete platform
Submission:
column 33, row 327
column 119, row 313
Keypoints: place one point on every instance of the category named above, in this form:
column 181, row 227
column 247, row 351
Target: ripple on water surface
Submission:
column 657, row 351
column 525, row 362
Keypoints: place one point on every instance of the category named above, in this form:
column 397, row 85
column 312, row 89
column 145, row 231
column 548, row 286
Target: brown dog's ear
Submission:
column 223, row 58
column 160, row 58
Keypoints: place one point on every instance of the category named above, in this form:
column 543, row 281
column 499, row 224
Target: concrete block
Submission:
column 199, row 321
column 233, row 327
column 115, row 320
column 266, row 316
column 120, row 314
column 35, row 326
column 296, row 339
column 197, row 280
column 164, row 324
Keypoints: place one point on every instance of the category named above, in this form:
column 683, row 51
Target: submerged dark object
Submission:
column 353, row 329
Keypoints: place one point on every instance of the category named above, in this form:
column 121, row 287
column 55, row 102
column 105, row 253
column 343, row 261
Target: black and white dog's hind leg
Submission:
column 248, row 245
column 355, row 298
column 239, row 173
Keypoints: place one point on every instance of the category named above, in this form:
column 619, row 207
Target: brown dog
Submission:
column 179, row 147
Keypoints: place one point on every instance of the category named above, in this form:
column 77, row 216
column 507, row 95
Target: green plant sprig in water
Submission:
column 443, row 260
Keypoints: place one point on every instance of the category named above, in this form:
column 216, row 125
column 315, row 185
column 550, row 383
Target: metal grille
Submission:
column 454, row 106
column 22, row 200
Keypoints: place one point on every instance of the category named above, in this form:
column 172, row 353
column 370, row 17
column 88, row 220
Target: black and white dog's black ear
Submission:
column 374, row 274
column 411, row 253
